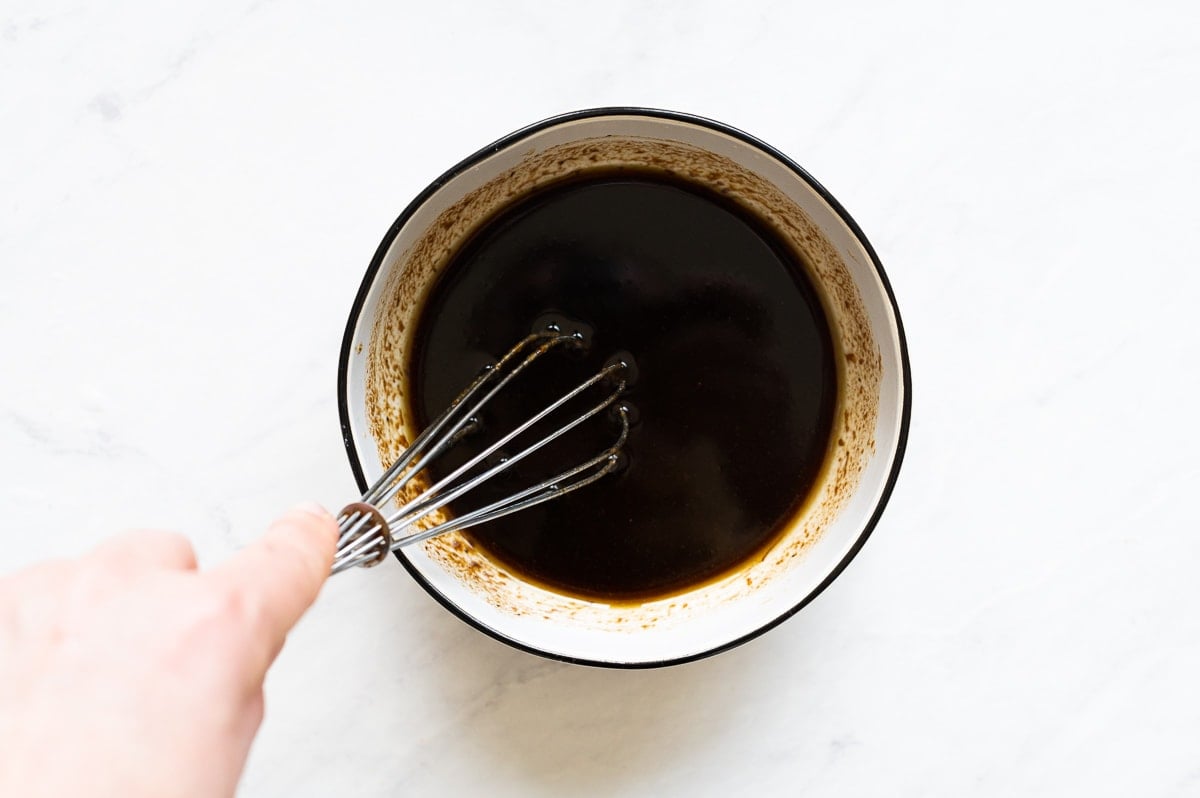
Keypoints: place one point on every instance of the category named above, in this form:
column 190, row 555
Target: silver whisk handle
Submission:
column 365, row 538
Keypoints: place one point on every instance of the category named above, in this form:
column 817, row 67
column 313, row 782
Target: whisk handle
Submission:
column 362, row 520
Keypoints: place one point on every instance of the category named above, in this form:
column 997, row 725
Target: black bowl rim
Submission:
column 508, row 141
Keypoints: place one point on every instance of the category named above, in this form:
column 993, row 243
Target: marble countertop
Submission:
column 189, row 197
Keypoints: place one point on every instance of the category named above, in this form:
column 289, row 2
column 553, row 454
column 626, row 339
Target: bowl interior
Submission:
column 873, row 411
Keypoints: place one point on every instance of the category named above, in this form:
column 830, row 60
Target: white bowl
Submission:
column 870, row 432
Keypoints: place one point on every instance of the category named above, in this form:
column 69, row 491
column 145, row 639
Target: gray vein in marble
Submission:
column 222, row 523
column 107, row 106
column 1079, row 369
column 13, row 31
column 175, row 67
column 1189, row 783
column 844, row 112
column 90, row 442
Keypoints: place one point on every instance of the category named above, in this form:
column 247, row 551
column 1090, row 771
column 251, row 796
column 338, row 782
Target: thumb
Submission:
column 282, row 572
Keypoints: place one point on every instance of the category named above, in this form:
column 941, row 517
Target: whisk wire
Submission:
column 394, row 479
column 391, row 486
column 551, row 488
column 367, row 535
column 408, row 514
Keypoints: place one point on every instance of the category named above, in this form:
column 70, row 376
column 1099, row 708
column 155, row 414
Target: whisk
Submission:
column 369, row 533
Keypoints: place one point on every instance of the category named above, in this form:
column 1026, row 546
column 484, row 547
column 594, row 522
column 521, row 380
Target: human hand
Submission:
column 128, row 673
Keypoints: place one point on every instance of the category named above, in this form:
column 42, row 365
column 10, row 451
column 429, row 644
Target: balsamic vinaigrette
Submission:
column 735, row 390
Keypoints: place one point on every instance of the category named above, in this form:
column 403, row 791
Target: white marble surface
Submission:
column 188, row 199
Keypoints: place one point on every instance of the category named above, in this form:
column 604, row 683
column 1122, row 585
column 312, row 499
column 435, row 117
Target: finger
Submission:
column 145, row 549
column 279, row 576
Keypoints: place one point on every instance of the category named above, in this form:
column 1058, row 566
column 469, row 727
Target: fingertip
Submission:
column 309, row 527
column 312, row 508
column 280, row 575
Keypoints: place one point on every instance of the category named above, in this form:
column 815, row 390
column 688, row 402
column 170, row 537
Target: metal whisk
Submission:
column 368, row 533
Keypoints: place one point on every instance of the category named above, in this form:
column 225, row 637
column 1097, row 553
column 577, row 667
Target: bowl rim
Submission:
column 511, row 139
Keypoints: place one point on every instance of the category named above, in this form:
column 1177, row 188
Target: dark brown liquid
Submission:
column 735, row 391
